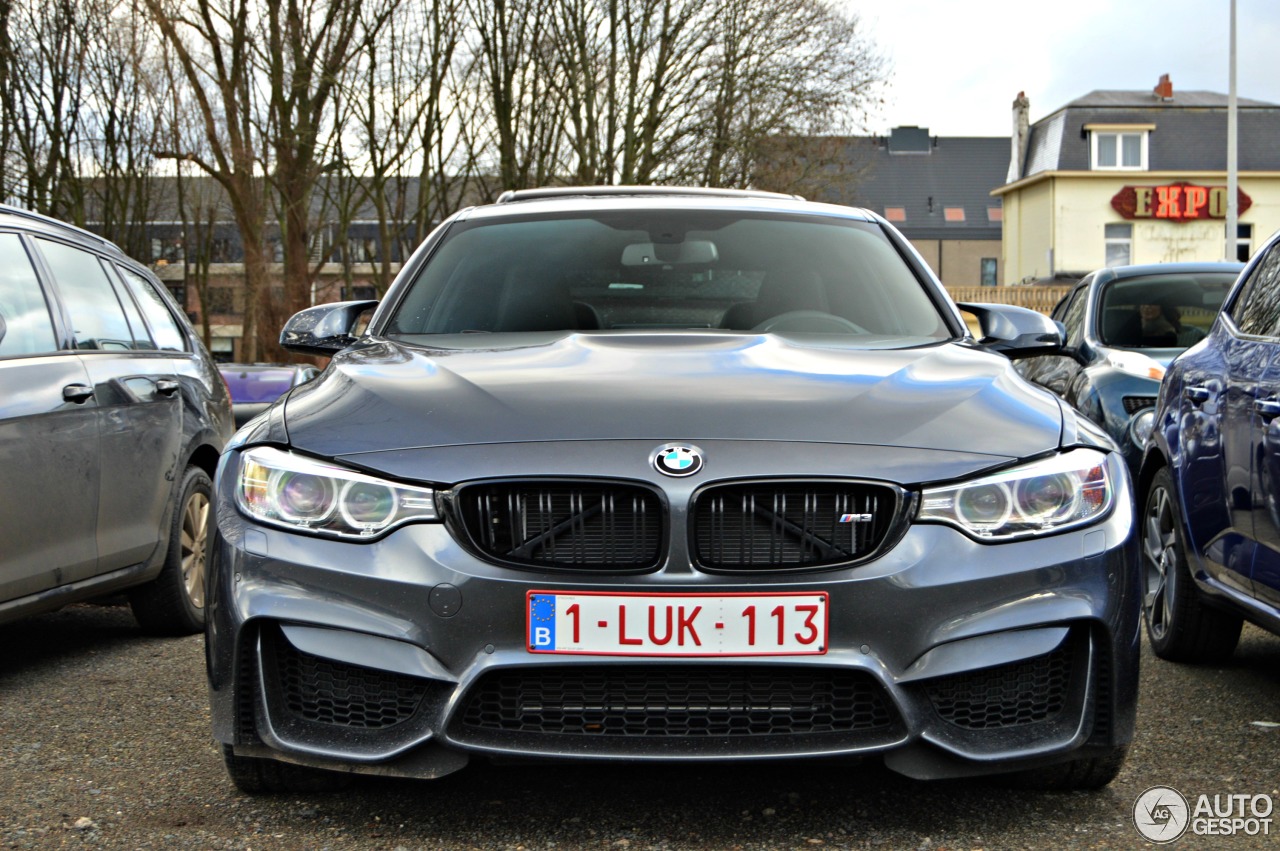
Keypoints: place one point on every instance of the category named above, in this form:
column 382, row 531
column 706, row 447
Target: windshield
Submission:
column 660, row 269
column 1171, row 311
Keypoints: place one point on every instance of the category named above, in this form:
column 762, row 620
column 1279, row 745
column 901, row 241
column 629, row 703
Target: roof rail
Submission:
column 512, row 196
column 50, row 220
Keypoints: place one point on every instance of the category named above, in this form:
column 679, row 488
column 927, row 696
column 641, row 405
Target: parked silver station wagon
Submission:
column 671, row 474
column 112, row 417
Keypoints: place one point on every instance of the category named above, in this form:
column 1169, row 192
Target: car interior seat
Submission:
column 780, row 292
column 535, row 299
column 1122, row 326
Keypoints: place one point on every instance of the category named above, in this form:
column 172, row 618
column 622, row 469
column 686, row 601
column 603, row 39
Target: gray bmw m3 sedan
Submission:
column 664, row 474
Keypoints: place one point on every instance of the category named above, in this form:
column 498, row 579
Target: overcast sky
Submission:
column 956, row 65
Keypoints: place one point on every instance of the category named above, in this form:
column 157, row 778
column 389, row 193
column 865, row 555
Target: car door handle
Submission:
column 1196, row 395
column 166, row 387
column 1267, row 408
column 76, row 392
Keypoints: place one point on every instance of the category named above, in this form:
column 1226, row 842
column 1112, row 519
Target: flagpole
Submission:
column 1232, row 164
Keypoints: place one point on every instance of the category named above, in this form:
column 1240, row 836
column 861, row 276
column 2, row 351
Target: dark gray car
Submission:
column 679, row 475
column 111, row 420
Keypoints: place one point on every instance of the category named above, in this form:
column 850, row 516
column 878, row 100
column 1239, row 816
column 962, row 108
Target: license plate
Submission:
column 606, row 624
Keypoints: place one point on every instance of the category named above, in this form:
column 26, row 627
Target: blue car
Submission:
column 1210, row 479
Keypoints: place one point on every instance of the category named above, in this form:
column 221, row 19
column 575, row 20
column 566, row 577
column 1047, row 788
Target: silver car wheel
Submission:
column 195, row 532
column 1160, row 552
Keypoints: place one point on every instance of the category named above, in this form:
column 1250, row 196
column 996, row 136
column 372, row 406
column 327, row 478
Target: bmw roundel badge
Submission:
column 676, row 459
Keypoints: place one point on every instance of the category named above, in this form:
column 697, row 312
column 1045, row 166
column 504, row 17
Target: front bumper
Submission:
column 407, row 655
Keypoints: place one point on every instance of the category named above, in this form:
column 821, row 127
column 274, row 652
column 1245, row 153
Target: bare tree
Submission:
column 513, row 53
column 781, row 68
column 9, row 163
column 401, row 114
column 125, row 100
column 447, row 164
column 630, row 74
column 306, row 46
column 212, row 42
column 41, row 98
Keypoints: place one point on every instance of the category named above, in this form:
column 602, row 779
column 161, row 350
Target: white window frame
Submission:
column 1126, row 241
column 1119, row 132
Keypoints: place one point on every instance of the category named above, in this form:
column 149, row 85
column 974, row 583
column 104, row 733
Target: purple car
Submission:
column 255, row 386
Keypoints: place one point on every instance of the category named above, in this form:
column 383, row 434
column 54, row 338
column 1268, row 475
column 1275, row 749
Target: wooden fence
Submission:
column 1042, row 299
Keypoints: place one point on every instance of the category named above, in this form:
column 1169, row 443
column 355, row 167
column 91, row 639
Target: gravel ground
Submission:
column 104, row 743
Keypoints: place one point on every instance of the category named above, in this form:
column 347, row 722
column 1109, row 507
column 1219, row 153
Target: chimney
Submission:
column 1021, row 135
column 1164, row 88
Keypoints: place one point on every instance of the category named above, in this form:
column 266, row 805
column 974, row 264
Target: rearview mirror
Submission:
column 324, row 329
column 1017, row 332
column 693, row 252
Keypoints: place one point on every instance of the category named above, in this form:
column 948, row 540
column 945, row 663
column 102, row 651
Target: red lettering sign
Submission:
column 1177, row 202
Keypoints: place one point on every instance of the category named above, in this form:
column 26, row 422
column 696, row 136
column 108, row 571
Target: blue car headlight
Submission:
column 1141, row 425
column 306, row 495
column 1042, row 497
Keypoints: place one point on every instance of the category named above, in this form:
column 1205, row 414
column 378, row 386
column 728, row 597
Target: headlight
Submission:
column 1136, row 364
column 1071, row 489
column 306, row 495
column 1141, row 426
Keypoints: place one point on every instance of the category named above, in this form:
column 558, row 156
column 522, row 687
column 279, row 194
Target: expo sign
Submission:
column 1177, row 202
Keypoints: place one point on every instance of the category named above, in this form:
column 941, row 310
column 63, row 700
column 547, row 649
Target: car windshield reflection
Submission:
column 1161, row 311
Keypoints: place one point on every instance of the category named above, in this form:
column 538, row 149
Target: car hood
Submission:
column 670, row 387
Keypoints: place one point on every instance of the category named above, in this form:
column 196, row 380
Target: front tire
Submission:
column 1180, row 627
column 1079, row 775
column 173, row 602
column 258, row 776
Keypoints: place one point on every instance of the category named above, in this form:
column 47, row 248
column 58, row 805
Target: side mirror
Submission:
column 324, row 329
column 1017, row 332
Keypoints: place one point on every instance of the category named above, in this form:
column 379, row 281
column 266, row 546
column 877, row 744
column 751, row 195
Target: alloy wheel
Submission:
column 1160, row 551
column 195, row 532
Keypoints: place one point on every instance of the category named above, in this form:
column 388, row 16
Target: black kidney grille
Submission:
column 324, row 691
column 586, row 526
column 1011, row 695
column 758, row 526
column 673, row 702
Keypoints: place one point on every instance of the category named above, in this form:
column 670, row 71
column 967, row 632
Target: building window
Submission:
column 223, row 349
column 1244, row 242
column 895, row 214
column 995, row 214
column 1119, row 150
column 988, row 267
column 953, row 214
column 225, row 301
column 1119, row 242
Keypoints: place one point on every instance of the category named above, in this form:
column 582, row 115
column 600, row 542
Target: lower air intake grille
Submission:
column 323, row 691
column 1012, row 695
column 788, row 525
column 675, row 702
column 574, row 525
column 1133, row 404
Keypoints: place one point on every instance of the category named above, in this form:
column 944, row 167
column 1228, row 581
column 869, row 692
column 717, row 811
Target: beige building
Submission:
column 1124, row 177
